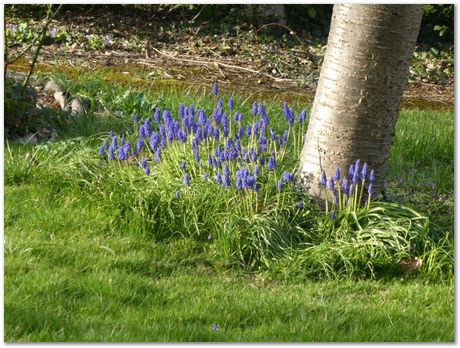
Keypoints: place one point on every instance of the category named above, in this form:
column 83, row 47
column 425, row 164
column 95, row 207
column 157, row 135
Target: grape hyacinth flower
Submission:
column 143, row 163
column 280, row 185
column 356, row 175
column 345, row 187
column 102, row 150
column 288, row 177
column 112, row 153
column 220, row 104
column 157, row 115
column 300, row 205
column 351, row 171
column 187, row 179
column 182, row 165
column 337, row 175
column 219, row 178
column 323, row 179
column 140, row 144
column 254, row 109
column 253, row 155
column 121, row 153
column 302, row 116
column 256, row 171
column 372, row 176
column 370, row 189
column 215, row 89
column 158, row 155
column 231, row 104
column 358, row 166
column 147, row 170
column 248, row 130
column 272, row 163
column 331, row 184
column 285, row 136
column 227, row 181
column 365, row 171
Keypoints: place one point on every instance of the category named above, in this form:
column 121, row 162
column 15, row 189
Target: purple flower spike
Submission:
column 280, row 185
column 351, row 171
column 337, row 174
column 215, row 89
column 187, row 179
column 231, row 104
column 372, row 176
column 147, row 170
column 101, row 150
column 111, row 153
column 227, row 181
column 331, row 184
column 356, row 175
column 365, row 171
column 358, row 166
column 370, row 189
column 219, row 178
column 323, row 179
column 271, row 163
column 254, row 108
column 300, row 205
column 158, row 155
column 345, row 187
column 157, row 115
column 182, row 165
column 288, row 177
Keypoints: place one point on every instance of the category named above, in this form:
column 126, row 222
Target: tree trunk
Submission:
column 360, row 90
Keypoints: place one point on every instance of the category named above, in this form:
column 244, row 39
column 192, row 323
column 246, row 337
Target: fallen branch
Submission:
column 218, row 63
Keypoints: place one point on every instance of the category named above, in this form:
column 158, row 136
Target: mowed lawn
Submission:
column 67, row 279
column 72, row 275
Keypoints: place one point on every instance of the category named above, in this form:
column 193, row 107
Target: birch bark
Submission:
column 360, row 90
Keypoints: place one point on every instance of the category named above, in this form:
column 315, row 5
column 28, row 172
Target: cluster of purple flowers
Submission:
column 348, row 190
column 220, row 144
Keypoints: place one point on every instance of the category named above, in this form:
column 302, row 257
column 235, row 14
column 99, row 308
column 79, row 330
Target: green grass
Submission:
column 69, row 278
column 95, row 251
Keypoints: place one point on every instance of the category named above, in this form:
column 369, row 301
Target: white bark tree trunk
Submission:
column 360, row 90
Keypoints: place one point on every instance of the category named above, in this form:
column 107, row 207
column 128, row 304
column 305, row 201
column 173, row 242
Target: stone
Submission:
column 60, row 98
column 76, row 107
column 52, row 86
column 29, row 139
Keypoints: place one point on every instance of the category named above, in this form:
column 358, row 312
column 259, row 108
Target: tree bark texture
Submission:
column 360, row 90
